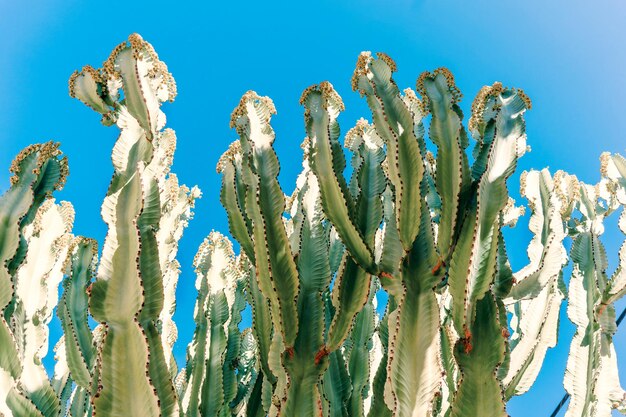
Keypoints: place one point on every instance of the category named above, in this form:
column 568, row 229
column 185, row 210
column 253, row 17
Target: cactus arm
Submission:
column 378, row 406
column 252, row 118
column 254, row 406
column 262, row 325
column 352, row 286
column 414, row 362
column 538, row 332
column 450, row 369
column 237, row 177
column 170, row 220
column 368, row 177
column 550, row 200
column 37, row 171
column 80, row 405
column 146, row 83
column 196, row 351
column 376, row 356
column 61, row 381
column 212, row 393
column 588, row 374
column 153, row 292
column 359, row 355
column 414, row 370
column 617, row 287
column 609, row 392
column 349, row 296
column 72, row 311
column 149, row 266
column 22, row 406
column 48, row 174
column 389, row 246
column 36, row 292
column 218, row 308
column 394, row 123
column 334, row 385
column 473, row 261
column 88, row 86
column 440, row 96
column 247, row 377
column 503, row 280
column 306, row 366
column 614, row 169
column 322, row 106
column 479, row 392
column 116, row 298
column 233, row 353
column 580, row 374
column 233, row 188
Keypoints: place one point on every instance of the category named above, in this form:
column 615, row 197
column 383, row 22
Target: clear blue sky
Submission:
column 569, row 57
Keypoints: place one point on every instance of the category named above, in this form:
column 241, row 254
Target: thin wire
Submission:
column 566, row 396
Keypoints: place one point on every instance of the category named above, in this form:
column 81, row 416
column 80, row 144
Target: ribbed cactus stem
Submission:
column 37, row 172
column 146, row 211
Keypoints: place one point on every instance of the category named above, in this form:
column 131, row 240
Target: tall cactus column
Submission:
column 145, row 210
column 34, row 238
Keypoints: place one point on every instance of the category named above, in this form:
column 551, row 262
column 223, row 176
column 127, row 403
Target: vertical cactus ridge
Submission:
column 362, row 345
column 237, row 373
column 73, row 312
column 414, row 364
column 389, row 247
column 25, row 208
column 322, row 106
column 232, row 197
column 594, row 388
column 211, row 383
column 116, row 300
column 306, row 366
column 251, row 118
column 537, row 332
column 262, row 324
column 613, row 169
column 61, row 381
column 378, row 407
column 36, row 293
column 335, row 384
column 581, row 373
column 146, row 210
column 549, row 200
column 176, row 213
column 352, row 285
column 442, row 404
column 473, row 261
column 394, row 123
column 50, row 173
column 440, row 96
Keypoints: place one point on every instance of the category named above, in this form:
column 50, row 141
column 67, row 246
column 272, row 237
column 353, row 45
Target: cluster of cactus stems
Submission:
column 418, row 219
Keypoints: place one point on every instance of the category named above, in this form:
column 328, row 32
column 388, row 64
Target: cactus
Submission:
column 591, row 376
column 145, row 209
column 461, row 332
column 35, row 235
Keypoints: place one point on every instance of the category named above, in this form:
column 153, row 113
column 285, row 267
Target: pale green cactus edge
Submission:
column 461, row 334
